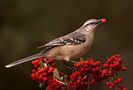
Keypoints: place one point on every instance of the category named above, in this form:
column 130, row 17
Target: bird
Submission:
column 67, row 47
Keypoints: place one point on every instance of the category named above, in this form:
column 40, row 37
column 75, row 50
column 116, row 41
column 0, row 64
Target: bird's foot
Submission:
column 70, row 65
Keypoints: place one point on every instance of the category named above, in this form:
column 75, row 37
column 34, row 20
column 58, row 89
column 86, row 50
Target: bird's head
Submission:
column 93, row 23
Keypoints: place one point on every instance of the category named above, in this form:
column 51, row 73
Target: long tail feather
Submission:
column 23, row 60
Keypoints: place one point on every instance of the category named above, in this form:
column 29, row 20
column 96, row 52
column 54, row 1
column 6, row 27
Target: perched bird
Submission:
column 68, row 47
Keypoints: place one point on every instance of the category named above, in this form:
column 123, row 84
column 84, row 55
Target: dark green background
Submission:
column 27, row 24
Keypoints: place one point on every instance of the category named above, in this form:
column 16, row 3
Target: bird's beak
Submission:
column 101, row 21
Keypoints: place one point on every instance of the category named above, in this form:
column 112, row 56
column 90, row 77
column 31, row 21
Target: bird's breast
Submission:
column 74, row 51
column 89, row 38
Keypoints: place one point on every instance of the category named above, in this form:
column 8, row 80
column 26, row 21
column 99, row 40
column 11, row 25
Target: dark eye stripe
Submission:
column 91, row 23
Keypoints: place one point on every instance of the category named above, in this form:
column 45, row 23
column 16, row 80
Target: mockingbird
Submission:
column 68, row 47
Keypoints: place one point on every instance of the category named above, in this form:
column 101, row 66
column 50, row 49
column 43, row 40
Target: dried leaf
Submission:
column 56, row 74
column 81, row 58
column 42, row 65
column 41, row 85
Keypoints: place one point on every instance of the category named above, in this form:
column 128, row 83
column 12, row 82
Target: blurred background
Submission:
column 27, row 24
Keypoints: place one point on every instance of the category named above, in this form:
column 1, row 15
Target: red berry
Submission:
column 103, row 20
column 122, row 87
column 40, row 70
column 105, row 65
column 33, row 75
column 78, row 81
column 50, row 70
column 92, row 81
column 119, row 80
column 108, row 84
column 111, row 86
column 45, row 79
column 116, row 82
column 123, row 68
column 98, row 63
column 111, row 72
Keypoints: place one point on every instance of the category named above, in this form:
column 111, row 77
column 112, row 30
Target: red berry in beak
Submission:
column 103, row 20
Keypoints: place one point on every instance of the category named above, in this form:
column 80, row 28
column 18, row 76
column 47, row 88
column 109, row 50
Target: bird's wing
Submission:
column 74, row 38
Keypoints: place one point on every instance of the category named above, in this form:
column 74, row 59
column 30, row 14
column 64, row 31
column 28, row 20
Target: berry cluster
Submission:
column 54, row 85
column 78, row 81
column 87, row 73
column 113, row 65
column 43, row 73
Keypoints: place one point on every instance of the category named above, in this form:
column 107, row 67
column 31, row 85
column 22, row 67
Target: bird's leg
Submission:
column 68, row 60
column 70, row 63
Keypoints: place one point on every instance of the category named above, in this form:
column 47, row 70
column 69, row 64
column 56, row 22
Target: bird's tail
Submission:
column 24, row 60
